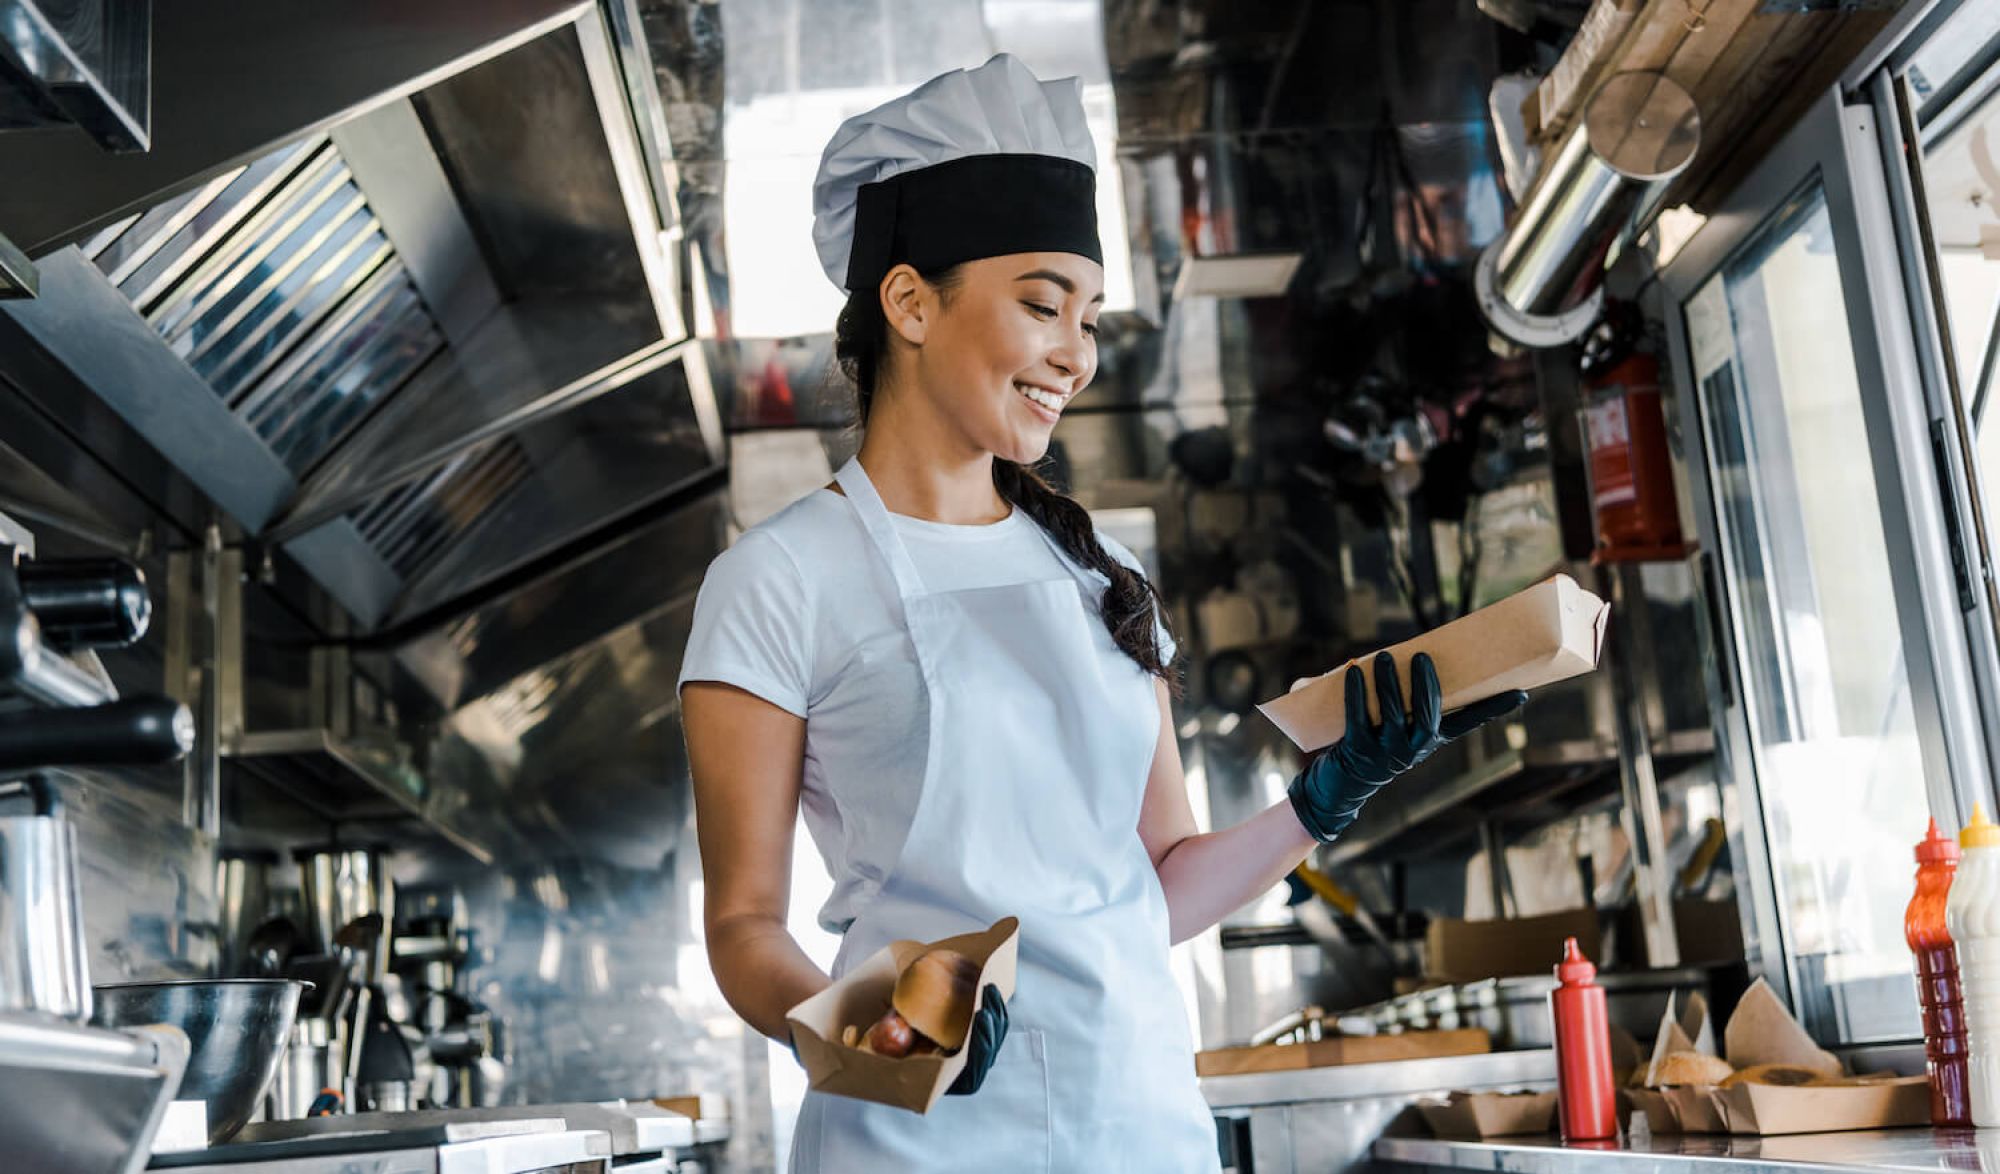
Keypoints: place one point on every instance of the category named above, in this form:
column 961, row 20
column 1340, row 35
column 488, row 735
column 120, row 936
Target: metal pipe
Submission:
column 201, row 803
column 1638, row 782
column 47, row 1043
column 1540, row 283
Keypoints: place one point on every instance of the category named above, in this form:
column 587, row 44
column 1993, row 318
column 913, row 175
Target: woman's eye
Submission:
column 1090, row 328
column 1044, row 311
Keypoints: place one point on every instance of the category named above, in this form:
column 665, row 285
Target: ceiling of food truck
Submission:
column 484, row 437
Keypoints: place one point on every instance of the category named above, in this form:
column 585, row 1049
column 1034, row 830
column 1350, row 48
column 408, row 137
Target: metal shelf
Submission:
column 1509, row 779
column 345, row 781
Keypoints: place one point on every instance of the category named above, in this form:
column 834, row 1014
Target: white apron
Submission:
column 1042, row 733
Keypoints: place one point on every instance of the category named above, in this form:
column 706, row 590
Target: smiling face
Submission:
column 1007, row 347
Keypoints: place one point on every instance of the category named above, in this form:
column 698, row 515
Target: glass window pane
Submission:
column 1962, row 190
column 1839, row 769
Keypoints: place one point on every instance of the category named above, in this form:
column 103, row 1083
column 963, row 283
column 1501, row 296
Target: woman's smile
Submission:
column 1045, row 404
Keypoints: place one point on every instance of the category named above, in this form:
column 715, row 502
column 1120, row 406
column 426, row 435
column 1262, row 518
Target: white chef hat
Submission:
column 973, row 163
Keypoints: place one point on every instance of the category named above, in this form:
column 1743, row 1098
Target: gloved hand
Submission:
column 1329, row 792
column 982, row 1043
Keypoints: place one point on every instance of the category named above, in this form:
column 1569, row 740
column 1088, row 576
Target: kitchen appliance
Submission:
column 460, row 1038
column 83, row 1100
column 342, row 883
column 630, row 1137
column 394, row 1143
column 32, row 667
column 236, row 1031
column 42, row 958
column 308, row 1069
column 86, row 603
column 136, row 730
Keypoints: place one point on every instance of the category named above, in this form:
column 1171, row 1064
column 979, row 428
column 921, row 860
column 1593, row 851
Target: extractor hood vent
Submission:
column 410, row 525
column 277, row 285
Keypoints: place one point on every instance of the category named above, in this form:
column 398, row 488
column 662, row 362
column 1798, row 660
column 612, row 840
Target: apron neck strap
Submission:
column 853, row 481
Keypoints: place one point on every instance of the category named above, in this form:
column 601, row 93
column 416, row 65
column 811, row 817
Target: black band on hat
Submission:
column 971, row 208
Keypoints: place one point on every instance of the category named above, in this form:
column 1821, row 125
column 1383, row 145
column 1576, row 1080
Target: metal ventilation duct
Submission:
column 417, row 348
column 276, row 284
column 1540, row 283
column 86, row 62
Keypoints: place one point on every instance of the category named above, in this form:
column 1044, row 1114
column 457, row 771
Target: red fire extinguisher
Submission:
column 1631, row 471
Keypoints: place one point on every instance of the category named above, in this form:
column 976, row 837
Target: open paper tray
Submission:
column 862, row 995
column 1769, row 1110
column 1823, row 1108
column 1490, row 1114
column 1544, row 634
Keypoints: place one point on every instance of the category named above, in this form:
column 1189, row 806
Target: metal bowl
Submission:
column 236, row 1031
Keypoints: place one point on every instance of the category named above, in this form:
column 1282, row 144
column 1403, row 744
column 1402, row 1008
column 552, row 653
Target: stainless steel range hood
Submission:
column 426, row 339
column 422, row 348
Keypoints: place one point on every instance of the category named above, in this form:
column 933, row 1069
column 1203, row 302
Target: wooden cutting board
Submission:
column 1360, row 1049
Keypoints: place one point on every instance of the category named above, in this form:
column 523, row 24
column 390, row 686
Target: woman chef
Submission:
column 965, row 687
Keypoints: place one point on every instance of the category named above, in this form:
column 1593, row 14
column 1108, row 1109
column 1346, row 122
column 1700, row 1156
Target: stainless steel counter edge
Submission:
column 1929, row 1150
column 1346, row 1082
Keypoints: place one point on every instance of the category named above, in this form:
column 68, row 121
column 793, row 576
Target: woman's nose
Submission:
column 1072, row 359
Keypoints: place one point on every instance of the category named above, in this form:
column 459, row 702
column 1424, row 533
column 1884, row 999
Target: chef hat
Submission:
column 973, row 163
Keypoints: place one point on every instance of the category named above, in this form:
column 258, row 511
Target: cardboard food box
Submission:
column 1359, row 1049
column 1760, row 1033
column 861, row 996
column 1550, row 632
column 1467, row 951
column 1490, row 1114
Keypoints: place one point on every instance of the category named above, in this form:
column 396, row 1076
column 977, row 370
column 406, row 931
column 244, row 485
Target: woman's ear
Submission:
column 907, row 303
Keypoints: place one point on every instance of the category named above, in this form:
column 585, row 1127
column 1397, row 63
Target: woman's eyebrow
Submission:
column 1068, row 286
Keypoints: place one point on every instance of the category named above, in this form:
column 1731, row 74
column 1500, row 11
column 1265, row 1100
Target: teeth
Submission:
column 1048, row 400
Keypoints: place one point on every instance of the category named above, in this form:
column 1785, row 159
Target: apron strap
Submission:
column 875, row 519
column 867, row 503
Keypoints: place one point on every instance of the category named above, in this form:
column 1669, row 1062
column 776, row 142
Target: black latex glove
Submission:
column 1329, row 792
column 982, row 1043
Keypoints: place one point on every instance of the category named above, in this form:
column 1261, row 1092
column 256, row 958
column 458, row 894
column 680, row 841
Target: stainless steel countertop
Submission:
column 1347, row 1082
column 492, row 1155
column 1928, row 1150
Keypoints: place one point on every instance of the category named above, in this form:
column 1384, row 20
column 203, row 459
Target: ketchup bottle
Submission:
column 1587, row 1104
column 1945, row 1048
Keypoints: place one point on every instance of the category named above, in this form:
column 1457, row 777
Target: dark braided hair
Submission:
column 860, row 345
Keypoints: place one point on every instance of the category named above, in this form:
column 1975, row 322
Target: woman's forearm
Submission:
column 761, row 971
column 1211, row 875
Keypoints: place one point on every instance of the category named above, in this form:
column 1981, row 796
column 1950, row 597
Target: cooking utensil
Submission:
column 42, row 959
column 360, row 939
column 236, row 1031
column 269, row 949
column 1694, row 875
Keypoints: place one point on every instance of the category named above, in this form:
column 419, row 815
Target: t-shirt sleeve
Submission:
column 752, row 625
column 1119, row 551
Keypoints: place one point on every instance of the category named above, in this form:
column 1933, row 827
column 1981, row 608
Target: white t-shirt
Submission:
column 802, row 613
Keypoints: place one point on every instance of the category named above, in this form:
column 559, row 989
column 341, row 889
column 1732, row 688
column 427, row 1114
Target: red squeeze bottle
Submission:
column 1587, row 1104
column 1945, row 1050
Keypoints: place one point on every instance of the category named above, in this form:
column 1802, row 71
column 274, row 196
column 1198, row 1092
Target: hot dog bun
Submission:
column 1692, row 1068
column 936, row 993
